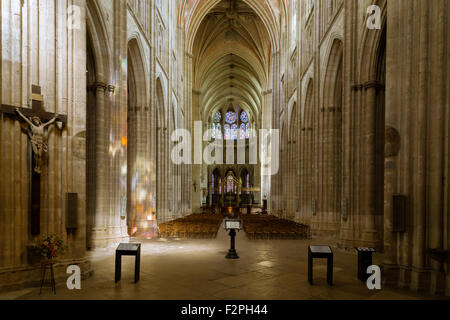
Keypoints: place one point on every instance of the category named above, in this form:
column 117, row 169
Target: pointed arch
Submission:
column 97, row 35
column 371, row 42
column 161, row 104
column 293, row 122
column 330, row 126
column 307, row 105
column 307, row 155
column 330, row 84
column 194, row 13
column 136, row 122
column 136, row 73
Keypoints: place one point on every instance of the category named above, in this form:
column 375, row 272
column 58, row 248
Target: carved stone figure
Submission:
column 38, row 137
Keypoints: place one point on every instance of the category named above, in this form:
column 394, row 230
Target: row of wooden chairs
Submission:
column 270, row 227
column 196, row 226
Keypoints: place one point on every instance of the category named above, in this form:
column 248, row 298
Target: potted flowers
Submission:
column 50, row 247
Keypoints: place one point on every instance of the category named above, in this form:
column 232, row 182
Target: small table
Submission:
column 364, row 261
column 320, row 252
column 128, row 249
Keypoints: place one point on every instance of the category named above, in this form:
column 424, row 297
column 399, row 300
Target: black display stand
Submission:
column 232, row 225
column 232, row 254
column 364, row 261
column 128, row 249
column 48, row 266
column 320, row 252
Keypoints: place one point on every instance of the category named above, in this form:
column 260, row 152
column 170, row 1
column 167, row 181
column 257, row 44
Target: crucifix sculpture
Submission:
column 38, row 137
column 38, row 120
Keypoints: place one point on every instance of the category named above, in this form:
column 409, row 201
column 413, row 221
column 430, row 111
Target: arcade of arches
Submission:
column 362, row 116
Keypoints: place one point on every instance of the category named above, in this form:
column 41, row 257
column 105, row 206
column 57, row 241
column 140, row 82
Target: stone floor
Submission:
column 197, row 269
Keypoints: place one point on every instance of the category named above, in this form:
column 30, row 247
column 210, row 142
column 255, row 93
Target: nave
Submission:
column 196, row 270
column 120, row 120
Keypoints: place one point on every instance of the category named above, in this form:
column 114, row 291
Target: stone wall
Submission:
column 387, row 137
column 39, row 48
column 363, row 116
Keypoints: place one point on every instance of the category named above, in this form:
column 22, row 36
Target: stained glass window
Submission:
column 213, row 131
column 294, row 24
column 247, row 131
column 227, row 132
column 247, row 183
column 218, row 134
column 217, row 117
column 212, row 184
column 230, row 117
column 234, row 132
column 244, row 117
column 230, row 184
column 242, row 132
column 216, row 131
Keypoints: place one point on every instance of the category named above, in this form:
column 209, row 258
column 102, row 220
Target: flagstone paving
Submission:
column 197, row 269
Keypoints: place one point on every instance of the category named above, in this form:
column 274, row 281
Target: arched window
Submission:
column 244, row 117
column 243, row 132
column 230, row 184
column 218, row 129
column 213, row 131
column 231, row 128
column 294, row 25
column 247, row 183
column 217, row 117
column 234, row 131
column 230, row 117
column 216, row 126
column 227, row 132
column 244, row 128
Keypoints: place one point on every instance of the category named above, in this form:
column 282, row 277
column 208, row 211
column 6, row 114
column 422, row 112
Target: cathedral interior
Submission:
column 154, row 122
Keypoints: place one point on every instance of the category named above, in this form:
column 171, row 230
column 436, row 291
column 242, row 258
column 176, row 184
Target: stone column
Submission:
column 418, row 276
column 348, row 114
column 274, row 197
column 196, row 168
column 370, row 234
column 166, row 169
column 100, row 161
column 159, row 175
column 188, row 82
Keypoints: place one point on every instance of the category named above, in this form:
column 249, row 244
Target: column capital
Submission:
column 357, row 87
column 97, row 86
column 372, row 84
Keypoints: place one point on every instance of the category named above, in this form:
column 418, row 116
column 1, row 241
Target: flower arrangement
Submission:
column 50, row 246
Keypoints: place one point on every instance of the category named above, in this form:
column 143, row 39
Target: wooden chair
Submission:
column 259, row 234
column 190, row 231
column 212, row 231
column 162, row 231
column 182, row 231
column 197, row 231
column 172, row 230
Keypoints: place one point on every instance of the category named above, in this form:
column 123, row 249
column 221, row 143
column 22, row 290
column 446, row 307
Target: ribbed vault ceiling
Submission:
column 232, row 57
